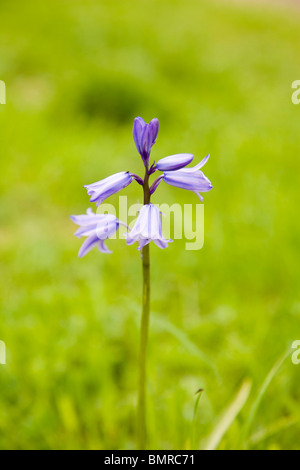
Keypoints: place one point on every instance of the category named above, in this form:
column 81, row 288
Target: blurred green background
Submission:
column 218, row 76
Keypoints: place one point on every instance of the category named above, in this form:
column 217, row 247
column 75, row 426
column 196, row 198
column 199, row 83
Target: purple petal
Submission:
column 86, row 231
column 103, row 248
column 138, row 130
column 199, row 196
column 88, row 245
column 146, row 141
column 161, row 243
column 200, row 165
column 86, row 219
column 154, row 124
column 143, row 243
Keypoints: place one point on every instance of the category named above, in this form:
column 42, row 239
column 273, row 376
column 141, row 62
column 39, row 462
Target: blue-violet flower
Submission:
column 97, row 228
column 102, row 189
column 144, row 136
column 147, row 228
column 189, row 178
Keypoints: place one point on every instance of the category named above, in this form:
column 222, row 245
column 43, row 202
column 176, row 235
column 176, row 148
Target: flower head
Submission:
column 104, row 188
column 97, row 228
column 189, row 178
column 144, row 136
column 147, row 228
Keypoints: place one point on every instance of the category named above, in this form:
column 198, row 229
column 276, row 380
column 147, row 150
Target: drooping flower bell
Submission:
column 147, row 228
column 189, row 178
column 97, row 228
column 144, row 136
column 102, row 189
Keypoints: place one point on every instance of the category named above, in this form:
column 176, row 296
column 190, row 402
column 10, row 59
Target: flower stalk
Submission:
column 141, row 414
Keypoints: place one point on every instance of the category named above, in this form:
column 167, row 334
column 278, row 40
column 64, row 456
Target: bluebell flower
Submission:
column 147, row 228
column 97, row 228
column 174, row 162
column 102, row 189
column 144, row 136
column 189, row 178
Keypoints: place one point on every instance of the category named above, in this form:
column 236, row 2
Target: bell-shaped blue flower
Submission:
column 97, row 228
column 144, row 136
column 147, row 228
column 189, row 178
column 102, row 189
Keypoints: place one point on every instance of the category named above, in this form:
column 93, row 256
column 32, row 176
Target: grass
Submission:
column 218, row 76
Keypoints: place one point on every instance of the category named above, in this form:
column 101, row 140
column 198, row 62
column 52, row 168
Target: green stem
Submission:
column 143, row 348
column 141, row 417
